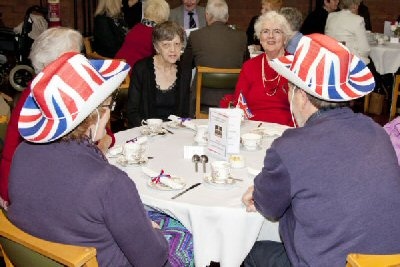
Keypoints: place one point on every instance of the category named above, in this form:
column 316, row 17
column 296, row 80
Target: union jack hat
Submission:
column 326, row 69
column 65, row 93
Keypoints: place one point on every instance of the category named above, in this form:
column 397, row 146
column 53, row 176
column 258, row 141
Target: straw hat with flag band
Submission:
column 325, row 69
column 65, row 93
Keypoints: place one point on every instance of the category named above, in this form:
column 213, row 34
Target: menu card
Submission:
column 224, row 132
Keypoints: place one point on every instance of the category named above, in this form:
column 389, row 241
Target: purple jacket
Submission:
column 334, row 185
column 67, row 192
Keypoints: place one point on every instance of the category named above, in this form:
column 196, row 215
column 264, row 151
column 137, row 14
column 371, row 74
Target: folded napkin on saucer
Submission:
column 163, row 178
column 184, row 121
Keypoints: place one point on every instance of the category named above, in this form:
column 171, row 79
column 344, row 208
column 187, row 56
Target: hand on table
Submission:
column 248, row 200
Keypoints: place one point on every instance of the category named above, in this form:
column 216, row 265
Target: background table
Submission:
column 386, row 57
column 222, row 229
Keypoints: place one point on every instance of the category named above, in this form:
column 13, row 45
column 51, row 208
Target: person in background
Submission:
column 263, row 88
column 316, row 20
column 109, row 28
column 45, row 49
column 295, row 19
column 138, row 42
column 189, row 15
column 156, row 89
column 266, row 5
column 349, row 28
column 319, row 180
column 364, row 12
column 132, row 10
column 216, row 45
column 93, row 203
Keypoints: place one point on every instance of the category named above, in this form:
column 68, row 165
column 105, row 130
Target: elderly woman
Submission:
column 46, row 48
column 263, row 88
column 266, row 5
column 93, row 203
column 138, row 44
column 109, row 28
column 348, row 27
column 156, row 82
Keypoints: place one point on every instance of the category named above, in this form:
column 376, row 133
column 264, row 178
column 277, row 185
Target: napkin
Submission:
column 184, row 121
column 162, row 177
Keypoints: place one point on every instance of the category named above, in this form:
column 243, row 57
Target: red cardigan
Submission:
column 269, row 108
column 138, row 44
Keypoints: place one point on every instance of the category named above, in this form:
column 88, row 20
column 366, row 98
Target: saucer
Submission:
column 146, row 131
column 163, row 187
column 222, row 183
column 124, row 162
column 173, row 124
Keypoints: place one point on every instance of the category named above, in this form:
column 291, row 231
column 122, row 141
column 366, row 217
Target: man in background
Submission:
column 316, row 20
column 216, row 45
column 189, row 15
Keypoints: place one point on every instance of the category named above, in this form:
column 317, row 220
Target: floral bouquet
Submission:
column 395, row 29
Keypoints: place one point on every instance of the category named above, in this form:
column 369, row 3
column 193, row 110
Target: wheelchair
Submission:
column 15, row 67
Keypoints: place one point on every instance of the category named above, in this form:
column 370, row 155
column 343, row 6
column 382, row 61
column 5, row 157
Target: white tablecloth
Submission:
column 386, row 57
column 222, row 229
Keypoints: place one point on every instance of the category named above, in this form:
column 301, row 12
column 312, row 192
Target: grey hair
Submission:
column 51, row 44
column 293, row 16
column 346, row 4
column 156, row 10
column 217, row 10
column 275, row 17
column 166, row 31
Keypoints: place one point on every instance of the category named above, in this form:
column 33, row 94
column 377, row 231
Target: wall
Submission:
column 241, row 11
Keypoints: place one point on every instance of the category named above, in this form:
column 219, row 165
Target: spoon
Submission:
column 196, row 160
column 204, row 160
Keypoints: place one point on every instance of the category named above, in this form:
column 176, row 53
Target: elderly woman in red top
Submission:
column 263, row 88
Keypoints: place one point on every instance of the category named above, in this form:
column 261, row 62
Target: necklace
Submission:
column 264, row 80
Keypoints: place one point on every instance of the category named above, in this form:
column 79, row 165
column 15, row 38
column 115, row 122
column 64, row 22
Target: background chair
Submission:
column 22, row 249
column 89, row 52
column 213, row 78
column 365, row 260
column 395, row 96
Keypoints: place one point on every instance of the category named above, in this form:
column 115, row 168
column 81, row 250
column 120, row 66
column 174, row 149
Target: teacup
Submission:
column 220, row 171
column 155, row 125
column 201, row 136
column 251, row 141
column 133, row 151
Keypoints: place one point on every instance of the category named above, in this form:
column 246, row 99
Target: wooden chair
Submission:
column 395, row 96
column 365, row 260
column 89, row 52
column 22, row 249
column 213, row 78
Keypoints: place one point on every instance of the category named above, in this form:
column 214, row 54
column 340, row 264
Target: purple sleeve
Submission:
column 130, row 226
column 272, row 195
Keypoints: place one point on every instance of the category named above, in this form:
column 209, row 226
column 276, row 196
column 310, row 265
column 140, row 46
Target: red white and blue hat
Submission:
column 326, row 69
column 65, row 93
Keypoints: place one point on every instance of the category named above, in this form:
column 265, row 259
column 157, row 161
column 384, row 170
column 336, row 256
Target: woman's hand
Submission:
column 248, row 200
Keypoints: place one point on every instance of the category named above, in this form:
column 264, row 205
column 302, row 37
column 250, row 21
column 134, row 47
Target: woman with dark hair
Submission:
column 156, row 89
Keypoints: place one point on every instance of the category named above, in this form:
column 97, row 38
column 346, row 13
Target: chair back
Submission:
column 367, row 260
column 213, row 78
column 395, row 96
column 21, row 249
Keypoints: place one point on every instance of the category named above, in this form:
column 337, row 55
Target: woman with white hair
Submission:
column 47, row 47
column 109, row 27
column 67, row 191
column 138, row 42
column 264, row 90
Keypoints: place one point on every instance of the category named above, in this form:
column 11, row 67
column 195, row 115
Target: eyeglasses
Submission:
column 111, row 106
column 274, row 32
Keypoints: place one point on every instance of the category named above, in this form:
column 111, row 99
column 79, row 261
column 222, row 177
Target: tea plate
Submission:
column 124, row 162
column 223, row 183
column 163, row 187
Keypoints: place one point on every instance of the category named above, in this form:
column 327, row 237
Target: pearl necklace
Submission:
column 264, row 79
